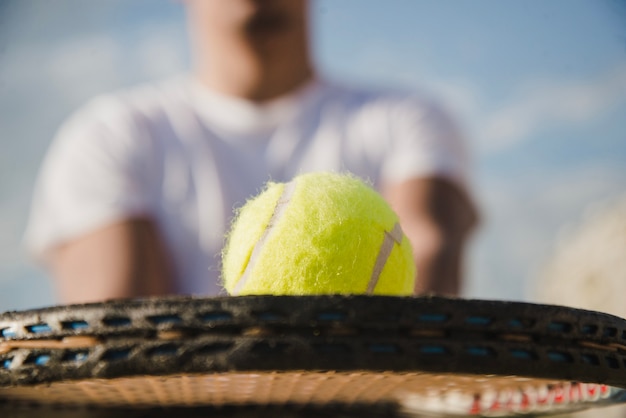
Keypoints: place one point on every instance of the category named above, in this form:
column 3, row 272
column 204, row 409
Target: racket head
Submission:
column 421, row 354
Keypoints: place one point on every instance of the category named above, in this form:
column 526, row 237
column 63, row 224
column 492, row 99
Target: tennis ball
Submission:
column 322, row 233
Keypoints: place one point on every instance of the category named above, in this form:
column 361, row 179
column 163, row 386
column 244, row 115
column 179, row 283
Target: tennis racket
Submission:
column 361, row 355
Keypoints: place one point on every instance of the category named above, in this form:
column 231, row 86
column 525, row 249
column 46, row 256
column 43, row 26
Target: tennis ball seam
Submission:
column 391, row 238
column 279, row 209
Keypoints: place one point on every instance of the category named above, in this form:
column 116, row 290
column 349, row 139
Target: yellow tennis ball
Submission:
column 322, row 233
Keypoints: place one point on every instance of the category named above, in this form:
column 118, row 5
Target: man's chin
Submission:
column 266, row 24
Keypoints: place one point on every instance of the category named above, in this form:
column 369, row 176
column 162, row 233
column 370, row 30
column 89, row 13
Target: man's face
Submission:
column 257, row 20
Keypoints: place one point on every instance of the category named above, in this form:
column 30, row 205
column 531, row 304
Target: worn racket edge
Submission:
column 412, row 355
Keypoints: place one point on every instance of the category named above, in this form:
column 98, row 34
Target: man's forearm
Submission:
column 123, row 260
column 437, row 218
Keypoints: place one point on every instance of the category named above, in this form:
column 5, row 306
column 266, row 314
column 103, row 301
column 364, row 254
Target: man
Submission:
column 138, row 189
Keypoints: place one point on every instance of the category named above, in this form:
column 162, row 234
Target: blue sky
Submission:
column 539, row 86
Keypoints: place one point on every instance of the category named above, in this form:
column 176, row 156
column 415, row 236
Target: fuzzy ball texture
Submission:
column 322, row 233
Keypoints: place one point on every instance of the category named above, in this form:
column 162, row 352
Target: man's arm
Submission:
column 127, row 259
column 437, row 217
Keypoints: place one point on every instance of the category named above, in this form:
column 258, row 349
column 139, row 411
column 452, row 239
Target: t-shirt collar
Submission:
column 243, row 117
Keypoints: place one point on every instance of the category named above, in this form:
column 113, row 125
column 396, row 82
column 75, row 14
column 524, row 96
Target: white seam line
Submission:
column 391, row 237
column 279, row 209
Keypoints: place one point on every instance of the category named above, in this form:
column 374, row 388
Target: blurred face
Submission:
column 256, row 49
column 252, row 21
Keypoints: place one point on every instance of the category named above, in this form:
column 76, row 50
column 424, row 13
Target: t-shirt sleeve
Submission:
column 92, row 176
column 424, row 142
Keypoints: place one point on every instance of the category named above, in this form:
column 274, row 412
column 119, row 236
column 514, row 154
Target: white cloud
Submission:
column 542, row 104
column 160, row 50
column 97, row 61
column 537, row 105
column 82, row 58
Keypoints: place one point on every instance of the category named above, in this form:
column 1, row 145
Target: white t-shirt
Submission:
column 187, row 157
